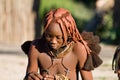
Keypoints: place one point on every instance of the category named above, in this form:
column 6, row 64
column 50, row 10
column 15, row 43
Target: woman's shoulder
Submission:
column 77, row 46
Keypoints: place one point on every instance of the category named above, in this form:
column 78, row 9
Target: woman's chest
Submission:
column 58, row 65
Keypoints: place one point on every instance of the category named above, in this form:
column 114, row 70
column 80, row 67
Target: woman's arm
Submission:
column 32, row 67
column 82, row 56
column 86, row 75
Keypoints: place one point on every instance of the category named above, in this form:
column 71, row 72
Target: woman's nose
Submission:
column 53, row 40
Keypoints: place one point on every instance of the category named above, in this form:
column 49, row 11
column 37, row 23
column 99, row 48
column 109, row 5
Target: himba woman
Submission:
column 61, row 51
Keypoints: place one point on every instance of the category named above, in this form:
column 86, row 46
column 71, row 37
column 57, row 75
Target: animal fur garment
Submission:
column 93, row 59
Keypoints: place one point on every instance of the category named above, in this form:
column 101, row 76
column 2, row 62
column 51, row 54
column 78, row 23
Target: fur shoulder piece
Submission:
column 25, row 47
column 93, row 42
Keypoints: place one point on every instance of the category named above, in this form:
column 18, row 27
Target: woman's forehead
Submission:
column 54, row 28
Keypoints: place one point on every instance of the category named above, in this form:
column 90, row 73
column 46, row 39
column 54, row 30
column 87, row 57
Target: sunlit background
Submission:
column 22, row 20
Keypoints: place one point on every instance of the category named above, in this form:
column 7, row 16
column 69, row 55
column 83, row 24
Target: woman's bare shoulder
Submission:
column 78, row 46
column 79, row 49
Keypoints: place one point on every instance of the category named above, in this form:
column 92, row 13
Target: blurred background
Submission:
column 22, row 20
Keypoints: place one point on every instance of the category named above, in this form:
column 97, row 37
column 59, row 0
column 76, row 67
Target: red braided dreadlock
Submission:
column 68, row 26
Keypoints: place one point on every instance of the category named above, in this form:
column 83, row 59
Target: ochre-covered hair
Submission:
column 67, row 24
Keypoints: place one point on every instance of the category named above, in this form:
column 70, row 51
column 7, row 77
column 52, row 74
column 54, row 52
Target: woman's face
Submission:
column 54, row 36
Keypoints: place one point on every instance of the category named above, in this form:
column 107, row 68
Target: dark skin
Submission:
column 54, row 38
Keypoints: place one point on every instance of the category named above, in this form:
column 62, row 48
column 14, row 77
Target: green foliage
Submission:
column 88, row 3
column 106, row 31
column 78, row 10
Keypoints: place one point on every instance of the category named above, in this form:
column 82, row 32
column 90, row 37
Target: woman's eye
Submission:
column 48, row 36
column 59, row 37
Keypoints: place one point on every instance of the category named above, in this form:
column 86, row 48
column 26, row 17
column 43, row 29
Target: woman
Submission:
column 61, row 51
